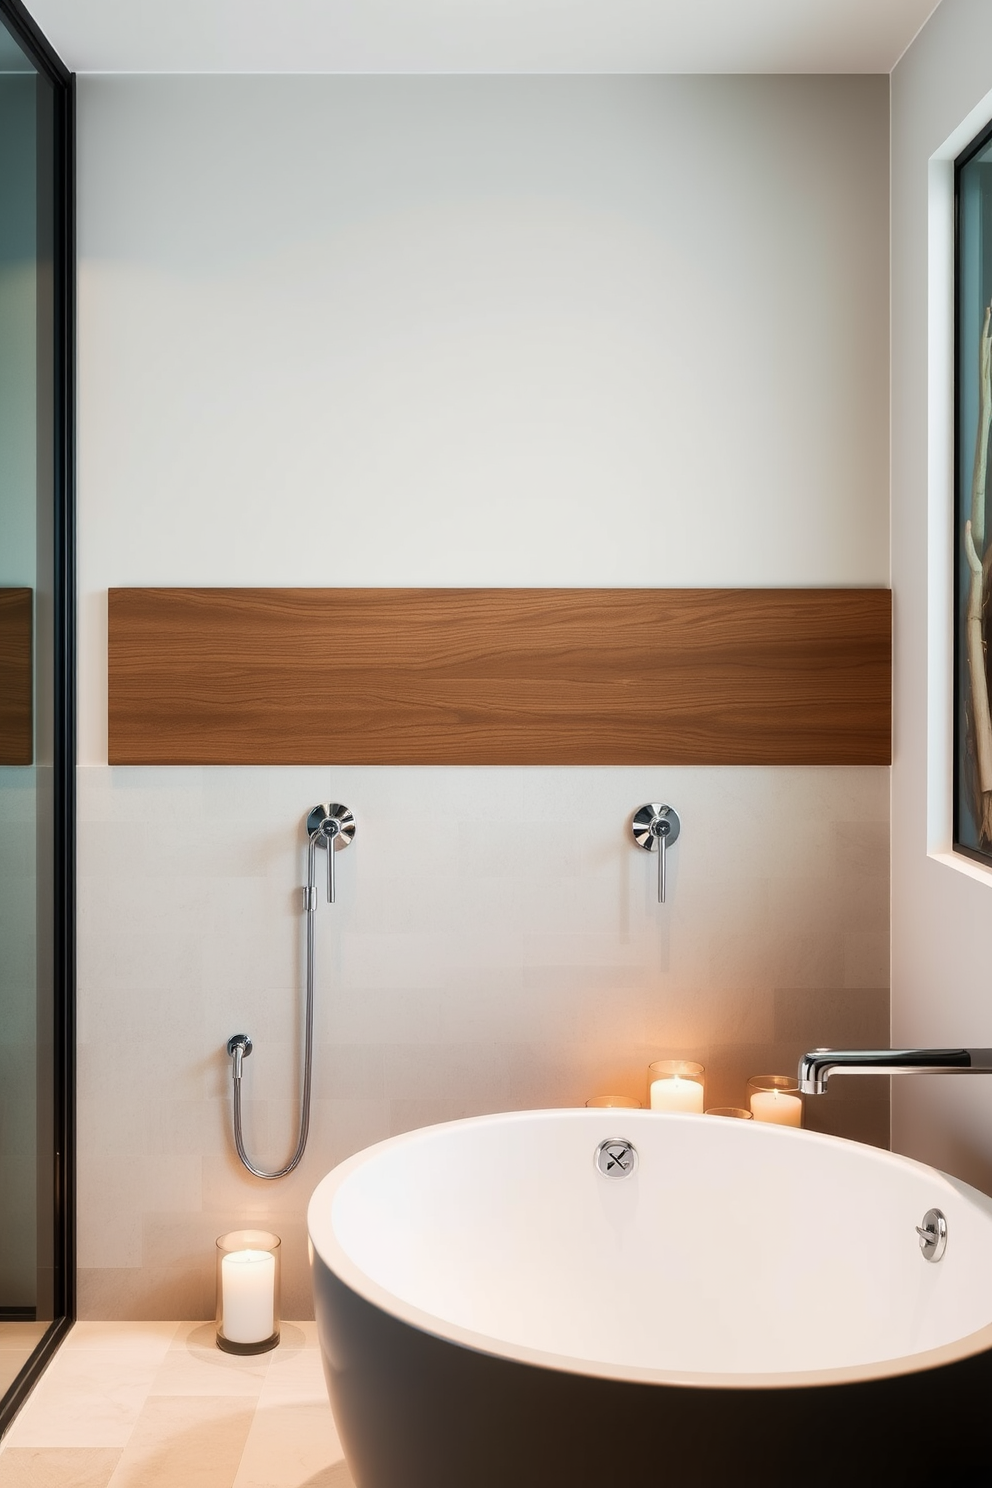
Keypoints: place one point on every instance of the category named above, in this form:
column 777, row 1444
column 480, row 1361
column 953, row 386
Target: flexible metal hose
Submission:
column 239, row 1140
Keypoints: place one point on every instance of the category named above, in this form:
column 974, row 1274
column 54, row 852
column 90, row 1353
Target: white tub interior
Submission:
column 734, row 1248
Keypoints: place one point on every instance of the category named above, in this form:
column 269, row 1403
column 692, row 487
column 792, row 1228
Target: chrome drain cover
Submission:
column 616, row 1157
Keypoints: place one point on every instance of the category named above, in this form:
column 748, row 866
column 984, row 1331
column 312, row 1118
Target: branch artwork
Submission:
column 979, row 562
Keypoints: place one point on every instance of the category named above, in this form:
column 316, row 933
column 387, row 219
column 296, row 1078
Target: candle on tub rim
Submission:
column 775, row 1099
column 248, row 1291
column 676, row 1085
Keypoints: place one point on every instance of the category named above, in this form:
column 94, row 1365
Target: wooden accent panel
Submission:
column 16, row 677
column 500, row 676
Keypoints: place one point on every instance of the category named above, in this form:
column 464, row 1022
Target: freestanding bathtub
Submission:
column 750, row 1304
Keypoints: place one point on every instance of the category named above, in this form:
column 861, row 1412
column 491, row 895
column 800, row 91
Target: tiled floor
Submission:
column 157, row 1405
column 17, row 1343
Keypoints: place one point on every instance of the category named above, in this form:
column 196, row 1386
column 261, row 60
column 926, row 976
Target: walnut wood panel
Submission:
column 499, row 676
column 16, row 678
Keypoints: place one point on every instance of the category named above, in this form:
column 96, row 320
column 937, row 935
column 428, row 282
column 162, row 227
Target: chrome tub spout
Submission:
column 816, row 1067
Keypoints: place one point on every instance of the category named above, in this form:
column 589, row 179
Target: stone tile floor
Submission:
column 17, row 1344
column 157, row 1405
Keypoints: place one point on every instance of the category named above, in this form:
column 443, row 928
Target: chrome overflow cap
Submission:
column 933, row 1235
column 616, row 1158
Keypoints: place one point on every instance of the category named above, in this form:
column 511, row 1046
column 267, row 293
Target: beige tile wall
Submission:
column 496, row 945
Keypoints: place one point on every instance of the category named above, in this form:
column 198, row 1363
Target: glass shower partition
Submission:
column 36, row 705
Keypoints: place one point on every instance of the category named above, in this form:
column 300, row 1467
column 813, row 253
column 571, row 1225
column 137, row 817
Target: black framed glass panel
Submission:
column 36, row 705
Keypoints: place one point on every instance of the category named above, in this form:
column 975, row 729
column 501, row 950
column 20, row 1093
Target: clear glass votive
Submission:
column 735, row 1113
column 775, row 1098
column 676, row 1085
column 624, row 1102
column 248, row 1266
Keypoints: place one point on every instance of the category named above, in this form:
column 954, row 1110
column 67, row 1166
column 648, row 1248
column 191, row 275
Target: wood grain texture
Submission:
column 500, row 676
column 16, row 677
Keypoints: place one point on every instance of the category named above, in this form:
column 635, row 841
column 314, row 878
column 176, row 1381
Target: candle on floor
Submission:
column 775, row 1098
column 248, row 1314
column 676, row 1085
column 621, row 1102
column 248, row 1292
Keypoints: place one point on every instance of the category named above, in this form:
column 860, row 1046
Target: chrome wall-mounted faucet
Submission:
column 656, row 828
column 816, row 1067
column 330, row 826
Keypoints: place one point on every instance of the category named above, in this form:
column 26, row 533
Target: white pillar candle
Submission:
column 677, row 1094
column 776, row 1106
column 248, row 1282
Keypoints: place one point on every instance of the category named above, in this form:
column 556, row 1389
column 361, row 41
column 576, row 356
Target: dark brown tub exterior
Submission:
column 416, row 1411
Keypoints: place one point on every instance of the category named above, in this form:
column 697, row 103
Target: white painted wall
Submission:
column 941, row 905
column 577, row 331
column 479, row 331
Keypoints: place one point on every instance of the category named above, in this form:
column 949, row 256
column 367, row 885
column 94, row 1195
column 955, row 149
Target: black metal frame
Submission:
column 977, row 144
column 62, row 80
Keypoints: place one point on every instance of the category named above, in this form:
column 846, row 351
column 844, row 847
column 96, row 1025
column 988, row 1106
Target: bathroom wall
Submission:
column 488, row 330
column 942, row 989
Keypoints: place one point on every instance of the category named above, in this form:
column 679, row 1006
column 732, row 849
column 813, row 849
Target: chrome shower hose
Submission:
column 240, row 1045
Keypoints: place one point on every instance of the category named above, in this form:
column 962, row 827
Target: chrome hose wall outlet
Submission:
column 238, row 1047
column 330, row 826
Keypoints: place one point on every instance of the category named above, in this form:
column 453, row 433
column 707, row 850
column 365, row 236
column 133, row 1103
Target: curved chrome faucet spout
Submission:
column 816, row 1067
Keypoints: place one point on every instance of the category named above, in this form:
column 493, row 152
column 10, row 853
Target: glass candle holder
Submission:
column 623, row 1102
column 775, row 1098
column 248, row 1265
column 676, row 1085
column 734, row 1113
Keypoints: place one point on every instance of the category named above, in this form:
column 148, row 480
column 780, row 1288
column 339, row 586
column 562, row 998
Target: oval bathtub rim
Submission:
column 331, row 1254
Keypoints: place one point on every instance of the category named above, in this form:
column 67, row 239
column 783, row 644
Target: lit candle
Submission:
column 677, row 1094
column 248, row 1279
column 777, row 1107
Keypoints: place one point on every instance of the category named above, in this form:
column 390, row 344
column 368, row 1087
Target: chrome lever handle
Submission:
column 655, row 827
column 330, row 835
column 332, row 827
column 661, row 830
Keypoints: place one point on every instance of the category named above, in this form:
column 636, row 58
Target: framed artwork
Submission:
column 972, row 527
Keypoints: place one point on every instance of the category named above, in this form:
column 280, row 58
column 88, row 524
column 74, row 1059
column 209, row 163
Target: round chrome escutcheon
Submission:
column 616, row 1158
column 933, row 1235
column 333, row 812
column 654, row 821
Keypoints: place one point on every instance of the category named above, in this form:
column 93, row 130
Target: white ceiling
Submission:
column 634, row 36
